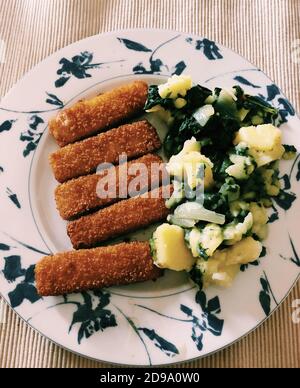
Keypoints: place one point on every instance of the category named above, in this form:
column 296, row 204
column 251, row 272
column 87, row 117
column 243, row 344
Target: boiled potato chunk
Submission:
column 188, row 146
column 162, row 113
column 244, row 252
column 265, row 157
column 225, row 277
column 234, row 232
column 177, row 85
column 224, row 265
column 264, row 142
column 262, row 137
column 187, row 163
column 217, row 272
column 241, row 168
column 272, row 183
column 236, row 207
column 209, row 239
column 180, row 103
column 170, row 248
column 192, row 163
column 260, row 220
column 194, row 241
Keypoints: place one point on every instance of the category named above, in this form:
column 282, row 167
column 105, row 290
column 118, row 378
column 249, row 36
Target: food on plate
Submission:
column 96, row 268
column 209, row 238
column 80, row 195
column 88, row 117
column 260, row 220
column 169, row 249
column 235, row 230
column 223, row 266
column 176, row 87
column 83, row 157
column 212, row 117
column 187, row 164
column 123, row 217
column 188, row 214
column 263, row 142
column 224, row 148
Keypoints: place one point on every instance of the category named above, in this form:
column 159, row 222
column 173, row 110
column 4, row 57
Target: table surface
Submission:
column 263, row 31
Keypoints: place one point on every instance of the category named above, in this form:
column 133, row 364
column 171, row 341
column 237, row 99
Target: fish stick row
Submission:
column 81, row 195
column 122, row 217
column 74, row 166
column 83, row 270
column 83, row 157
column 88, row 117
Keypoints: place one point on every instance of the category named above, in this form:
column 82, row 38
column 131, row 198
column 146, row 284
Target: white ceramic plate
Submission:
column 161, row 322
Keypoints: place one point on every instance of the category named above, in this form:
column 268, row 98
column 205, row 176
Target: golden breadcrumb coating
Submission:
column 83, row 270
column 88, row 117
column 120, row 218
column 78, row 196
column 83, row 157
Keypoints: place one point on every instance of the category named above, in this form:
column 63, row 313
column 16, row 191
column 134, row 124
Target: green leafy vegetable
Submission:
column 152, row 248
column 230, row 189
column 259, row 110
column 232, row 109
column 154, row 99
column 237, row 191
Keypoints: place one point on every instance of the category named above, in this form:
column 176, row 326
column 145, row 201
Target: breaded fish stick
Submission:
column 80, row 195
column 89, row 117
column 120, row 218
column 95, row 268
column 82, row 158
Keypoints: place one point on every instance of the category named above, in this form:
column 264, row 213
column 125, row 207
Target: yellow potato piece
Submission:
column 175, row 86
column 225, row 277
column 191, row 165
column 264, row 142
column 171, row 250
column 187, row 165
column 241, row 168
column 265, row 157
column 180, row 103
column 272, row 186
column 194, row 241
column 260, row 220
column 189, row 146
column 234, row 233
column 209, row 238
column 244, row 252
column 262, row 137
column 224, row 265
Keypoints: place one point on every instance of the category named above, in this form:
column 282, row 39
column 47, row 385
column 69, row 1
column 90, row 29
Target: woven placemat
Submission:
column 264, row 31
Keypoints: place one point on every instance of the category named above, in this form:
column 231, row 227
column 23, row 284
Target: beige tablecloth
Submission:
column 261, row 30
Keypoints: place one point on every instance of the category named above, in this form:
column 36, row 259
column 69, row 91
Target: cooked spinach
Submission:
column 216, row 202
column 221, row 163
column 154, row 99
column 259, row 110
column 219, row 132
column 196, row 97
column 254, row 187
column 230, row 189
